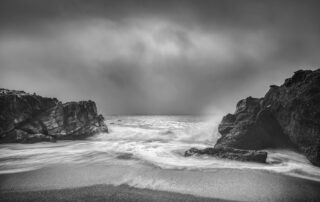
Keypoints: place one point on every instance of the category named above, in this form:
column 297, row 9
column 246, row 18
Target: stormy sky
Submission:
column 156, row 57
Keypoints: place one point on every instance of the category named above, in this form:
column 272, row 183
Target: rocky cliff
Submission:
column 28, row 118
column 288, row 115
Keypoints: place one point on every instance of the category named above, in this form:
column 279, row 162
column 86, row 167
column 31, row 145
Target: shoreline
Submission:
column 105, row 183
column 102, row 193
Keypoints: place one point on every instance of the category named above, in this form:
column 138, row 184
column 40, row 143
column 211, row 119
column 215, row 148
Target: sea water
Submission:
column 147, row 142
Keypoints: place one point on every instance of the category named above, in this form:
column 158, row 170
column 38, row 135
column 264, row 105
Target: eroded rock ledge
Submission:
column 230, row 153
column 28, row 118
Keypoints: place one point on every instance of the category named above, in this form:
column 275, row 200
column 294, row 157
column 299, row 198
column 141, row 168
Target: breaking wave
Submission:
column 154, row 141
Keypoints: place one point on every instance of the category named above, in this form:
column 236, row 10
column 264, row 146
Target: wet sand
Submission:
column 90, row 183
column 102, row 193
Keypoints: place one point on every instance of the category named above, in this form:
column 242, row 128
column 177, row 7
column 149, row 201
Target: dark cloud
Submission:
column 155, row 57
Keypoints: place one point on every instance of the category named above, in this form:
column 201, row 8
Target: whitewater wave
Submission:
column 150, row 141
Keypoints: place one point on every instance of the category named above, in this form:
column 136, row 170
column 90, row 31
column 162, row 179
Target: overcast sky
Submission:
column 156, row 57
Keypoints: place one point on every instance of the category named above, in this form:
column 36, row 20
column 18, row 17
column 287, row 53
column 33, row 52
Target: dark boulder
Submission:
column 251, row 127
column 29, row 118
column 287, row 116
column 230, row 153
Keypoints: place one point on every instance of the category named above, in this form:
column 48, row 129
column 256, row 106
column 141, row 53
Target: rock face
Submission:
column 251, row 127
column 288, row 115
column 28, row 118
column 229, row 153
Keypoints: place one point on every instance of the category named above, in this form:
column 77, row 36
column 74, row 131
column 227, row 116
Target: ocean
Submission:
column 139, row 150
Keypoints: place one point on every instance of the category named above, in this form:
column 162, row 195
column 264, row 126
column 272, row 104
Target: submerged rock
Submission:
column 288, row 115
column 230, row 153
column 28, row 118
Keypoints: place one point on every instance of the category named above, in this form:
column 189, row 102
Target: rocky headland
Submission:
column 29, row 118
column 287, row 116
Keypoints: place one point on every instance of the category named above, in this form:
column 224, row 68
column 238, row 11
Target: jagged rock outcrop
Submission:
column 288, row 115
column 230, row 153
column 251, row 127
column 28, row 118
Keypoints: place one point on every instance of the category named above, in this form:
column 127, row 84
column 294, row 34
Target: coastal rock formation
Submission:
column 28, row 118
column 251, row 127
column 288, row 115
column 230, row 153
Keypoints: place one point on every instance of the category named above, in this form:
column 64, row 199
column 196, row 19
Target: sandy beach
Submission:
column 90, row 183
column 101, row 193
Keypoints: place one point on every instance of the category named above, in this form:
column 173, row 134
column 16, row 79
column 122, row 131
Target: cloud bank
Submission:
column 150, row 57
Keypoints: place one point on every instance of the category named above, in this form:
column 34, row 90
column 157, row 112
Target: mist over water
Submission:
column 146, row 144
